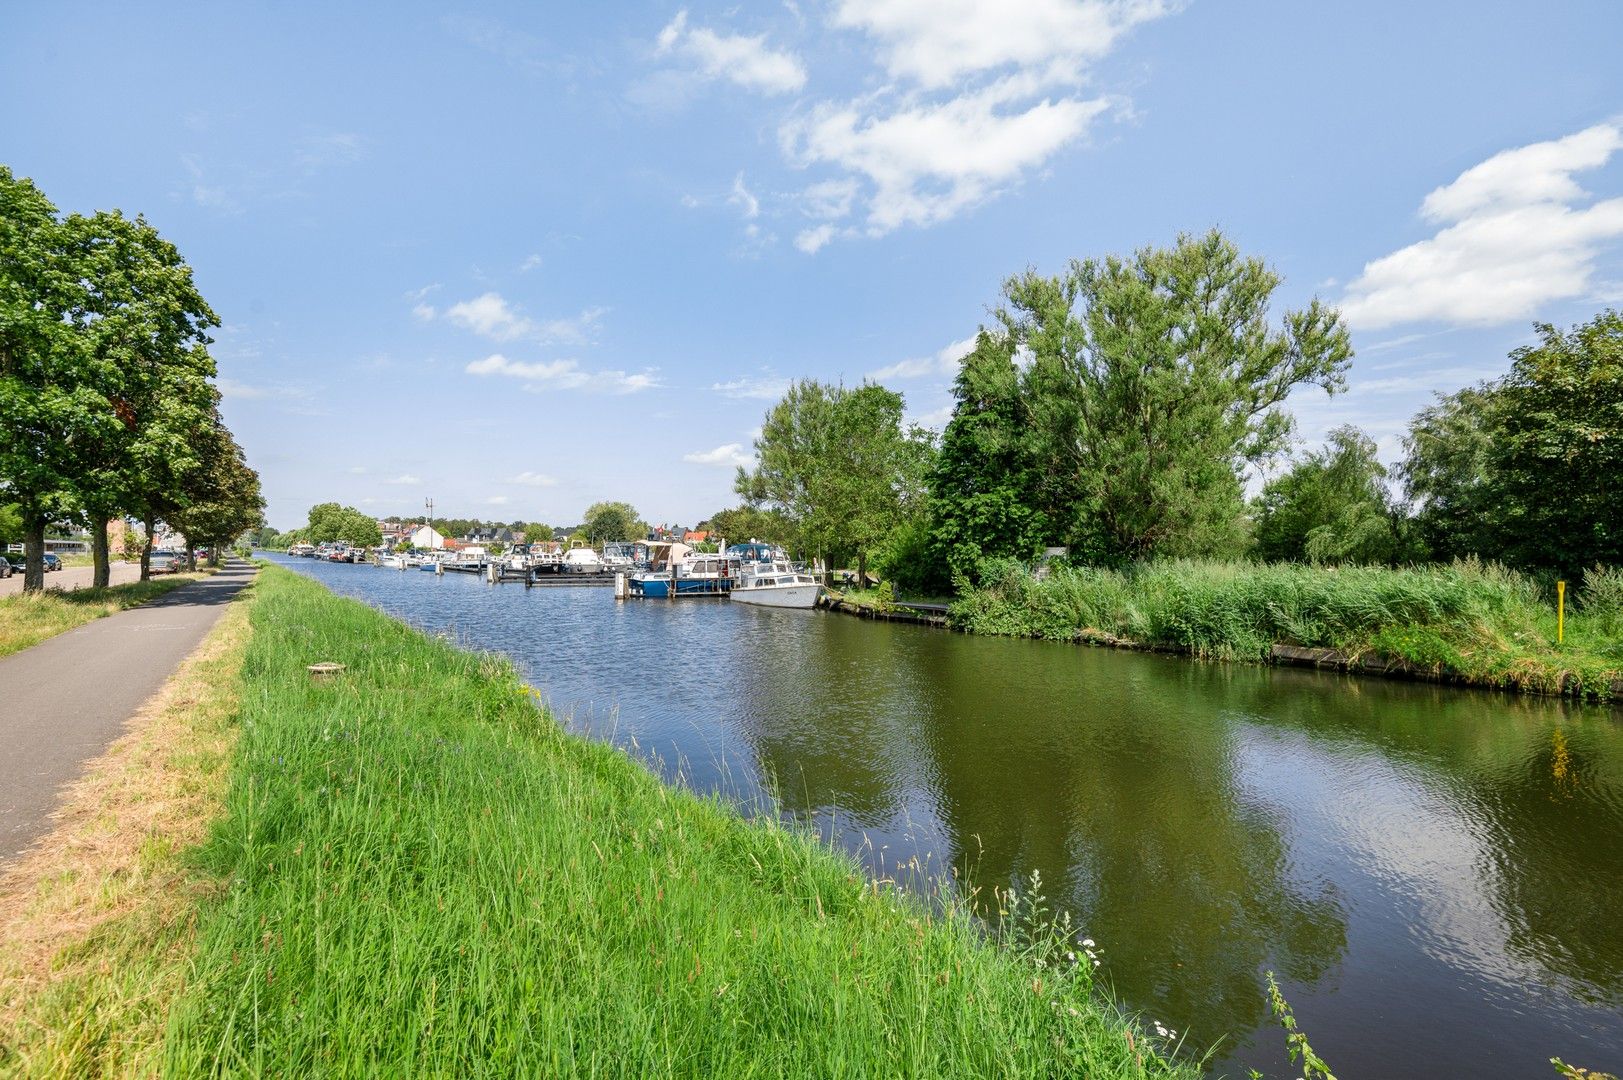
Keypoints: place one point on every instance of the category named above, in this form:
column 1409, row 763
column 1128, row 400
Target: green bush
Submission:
column 1602, row 598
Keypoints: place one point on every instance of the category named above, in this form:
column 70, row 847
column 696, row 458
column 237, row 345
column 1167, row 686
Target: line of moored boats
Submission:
column 753, row 573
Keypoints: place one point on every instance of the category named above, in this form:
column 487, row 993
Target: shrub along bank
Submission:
column 1477, row 623
column 428, row 876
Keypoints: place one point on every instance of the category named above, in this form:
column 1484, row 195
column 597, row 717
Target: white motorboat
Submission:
column 776, row 584
column 392, row 562
column 582, row 560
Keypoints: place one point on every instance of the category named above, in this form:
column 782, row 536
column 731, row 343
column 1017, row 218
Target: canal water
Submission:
column 1436, row 876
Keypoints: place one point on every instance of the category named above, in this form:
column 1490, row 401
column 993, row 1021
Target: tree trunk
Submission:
column 191, row 556
column 101, row 577
column 146, row 548
column 862, row 569
column 33, row 550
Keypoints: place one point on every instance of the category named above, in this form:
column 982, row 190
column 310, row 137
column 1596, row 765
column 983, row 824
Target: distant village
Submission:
column 422, row 537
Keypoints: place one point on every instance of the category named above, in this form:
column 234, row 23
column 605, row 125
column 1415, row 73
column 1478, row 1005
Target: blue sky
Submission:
column 523, row 257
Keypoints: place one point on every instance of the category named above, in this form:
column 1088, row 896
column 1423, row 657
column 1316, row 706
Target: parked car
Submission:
column 52, row 562
column 164, row 562
column 6, row 569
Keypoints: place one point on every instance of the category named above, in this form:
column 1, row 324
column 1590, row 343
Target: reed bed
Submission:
column 1478, row 622
column 427, row 876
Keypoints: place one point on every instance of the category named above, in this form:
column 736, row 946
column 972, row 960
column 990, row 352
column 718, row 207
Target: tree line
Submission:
column 1117, row 410
column 106, row 405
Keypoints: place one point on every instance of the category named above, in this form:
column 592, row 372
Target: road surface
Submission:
column 65, row 700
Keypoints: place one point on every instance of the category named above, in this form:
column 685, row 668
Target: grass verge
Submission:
column 1477, row 623
column 26, row 619
column 427, row 876
column 97, row 919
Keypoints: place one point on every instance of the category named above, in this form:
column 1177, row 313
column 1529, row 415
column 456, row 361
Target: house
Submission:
column 490, row 534
column 424, row 537
column 695, row 536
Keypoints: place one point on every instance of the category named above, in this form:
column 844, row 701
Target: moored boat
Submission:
column 776, row 584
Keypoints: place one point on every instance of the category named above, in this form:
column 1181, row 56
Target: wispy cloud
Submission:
column 767, row 388
column 1514, row 234
column 728, row 455
column 405, row 480
column 747, row 203
column 534, row 479
column 492, row 316
column 543, row 375
column 743, row 60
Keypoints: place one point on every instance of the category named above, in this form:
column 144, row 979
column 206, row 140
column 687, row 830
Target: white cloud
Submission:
column 927, row 162
column 534, row 479
column 748, row 204
column 811, row 241
column 746, row 61
column 498, row 500
column 231, row 388
column 938, row 42
column 729, row 455
column 358, row 470
column 530, row 262
column 544, row 375
column 491, row 316
column 405, row 479
column 424, row 312
column 1514, row 235
column 944, row 362
column 769, row 388
column 829, row 199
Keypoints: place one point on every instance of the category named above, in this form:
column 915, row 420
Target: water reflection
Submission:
column 1433, row 873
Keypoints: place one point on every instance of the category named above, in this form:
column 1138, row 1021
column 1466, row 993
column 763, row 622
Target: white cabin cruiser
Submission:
column 776, row 584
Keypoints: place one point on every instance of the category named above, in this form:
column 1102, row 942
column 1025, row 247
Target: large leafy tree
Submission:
column 1332, row 506
column 222, row 498
column 144, row 327
column 1155, row 383
column 54, row 396
column 1557, row 458
column 841, row 465
column 612, row 521
column 989, row 494
column 743, row 523
column 1446, row 473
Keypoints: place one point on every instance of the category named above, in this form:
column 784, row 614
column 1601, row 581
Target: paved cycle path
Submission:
column 65, row 700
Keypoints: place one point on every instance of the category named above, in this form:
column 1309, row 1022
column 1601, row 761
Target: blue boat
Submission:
column 689, row 573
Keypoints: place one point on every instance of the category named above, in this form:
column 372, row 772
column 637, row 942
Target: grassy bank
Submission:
column 1481, row 624
column 427, row 876
column 97, row 920
column 29, row 618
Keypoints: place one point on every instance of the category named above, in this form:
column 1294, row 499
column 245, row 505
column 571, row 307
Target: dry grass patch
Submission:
column 97, row 919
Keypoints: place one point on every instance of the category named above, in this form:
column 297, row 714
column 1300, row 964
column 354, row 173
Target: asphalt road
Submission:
column 65, row 700
column 74, row 577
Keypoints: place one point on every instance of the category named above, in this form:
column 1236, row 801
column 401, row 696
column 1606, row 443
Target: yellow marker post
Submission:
column 1560, row 611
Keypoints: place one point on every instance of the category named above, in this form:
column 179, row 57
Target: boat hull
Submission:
column 782, row 596
column 659, row 588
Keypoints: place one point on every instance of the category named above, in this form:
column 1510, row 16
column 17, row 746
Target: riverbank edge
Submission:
column 1368, row 664
column 793, row 883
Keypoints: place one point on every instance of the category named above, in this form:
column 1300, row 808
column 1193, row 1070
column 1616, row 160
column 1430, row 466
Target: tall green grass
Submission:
column 426, row 876
column 1478, row 621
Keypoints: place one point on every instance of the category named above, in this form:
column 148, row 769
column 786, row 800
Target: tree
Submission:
column 1445, row 473
column 535, row 533
column 989, row 494
column 357, row 529
column 324, row 521
column 222, row 498
column 839, row 464
column 143, row 324
column 612, row 521
column 1557, row 458
column 1154, row 384
column 743, row 523
column 1332, row 506
column 53, row 398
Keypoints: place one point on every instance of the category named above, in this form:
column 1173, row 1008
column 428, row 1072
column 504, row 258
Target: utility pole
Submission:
column 429, row 503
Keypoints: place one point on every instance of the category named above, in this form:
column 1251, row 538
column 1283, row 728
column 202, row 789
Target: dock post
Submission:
column 439, row 568
column 620, row 589
column 490, row 572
